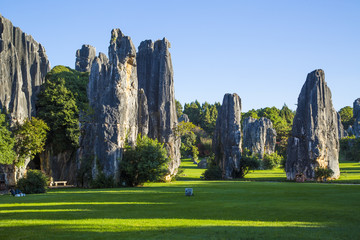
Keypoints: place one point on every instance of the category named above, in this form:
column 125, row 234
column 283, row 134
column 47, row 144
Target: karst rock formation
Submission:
column 227, row 136
column 342, row 132
column 259, row 136
column 113, row 96
column 84, row 58
column 156, row 78
column 23, row 66
column 130, row 93
column 314, row 140
column 356, row 112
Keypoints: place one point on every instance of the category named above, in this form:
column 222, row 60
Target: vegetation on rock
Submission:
column 59, row 101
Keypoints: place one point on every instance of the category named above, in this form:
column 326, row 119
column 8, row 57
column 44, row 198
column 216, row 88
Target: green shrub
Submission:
column 248, row 162
column 323, row 173
column 271, row 161
column 145, row 162
column 103, row 181
column 35, row 181
column 213, row 172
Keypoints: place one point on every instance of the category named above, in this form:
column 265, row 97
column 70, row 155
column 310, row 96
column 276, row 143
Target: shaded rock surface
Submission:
column 314, row 141
column 259, row 136
column 356, row 112
column 59, row 166
column 184, row 118
column 342, row 132
column 23, row 66
column 143, row 117
column 84, row 58
column 227, row 136
column 113, row 95
column 155, row 74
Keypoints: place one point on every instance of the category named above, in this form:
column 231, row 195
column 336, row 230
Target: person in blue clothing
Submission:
column 16, row 193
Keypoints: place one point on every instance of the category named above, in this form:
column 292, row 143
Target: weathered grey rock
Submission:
column 342, row 132
column 202, row 164
column 84, row 58
column 113, row 95
column 315, row 137
column 184, row 118
column 23, row 66
column 259, row 136
column 356, row 111
column 227, row 136
column 143, row 117
column 155, row 74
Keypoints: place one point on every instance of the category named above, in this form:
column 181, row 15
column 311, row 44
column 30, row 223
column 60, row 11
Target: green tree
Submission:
column 30, row 138
column 346, row 114
column 57, row 107
column 146, row 162
column 7, row 142
column 179, row 108
column 75, row 81
column 193, row 110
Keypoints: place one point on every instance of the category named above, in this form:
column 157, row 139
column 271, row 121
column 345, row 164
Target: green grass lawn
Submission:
column 219, row 210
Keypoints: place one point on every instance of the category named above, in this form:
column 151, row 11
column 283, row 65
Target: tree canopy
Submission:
column 30, row 138
column 61, row 98
column 346, row 115
column 203, row 115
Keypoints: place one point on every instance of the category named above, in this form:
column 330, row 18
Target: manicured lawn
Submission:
column 219, row 210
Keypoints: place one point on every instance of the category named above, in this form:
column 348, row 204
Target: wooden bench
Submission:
column 55, row 183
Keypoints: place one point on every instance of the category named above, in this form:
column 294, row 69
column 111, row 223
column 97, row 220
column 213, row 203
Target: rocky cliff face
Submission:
column 155, row 74
column 314, row 141
column 227, row 136
column 23, row 66
column 342, row 132
column 356, row 111
column 113, row 95
column 84, row 58
column 259, row 136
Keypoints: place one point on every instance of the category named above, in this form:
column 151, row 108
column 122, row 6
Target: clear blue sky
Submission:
column 261, row 50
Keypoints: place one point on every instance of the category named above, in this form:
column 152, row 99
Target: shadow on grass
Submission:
column 121, row 231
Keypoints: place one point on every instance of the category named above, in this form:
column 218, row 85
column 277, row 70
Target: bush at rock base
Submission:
column 35, row 181
column 271, row 161
column 145, row 162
